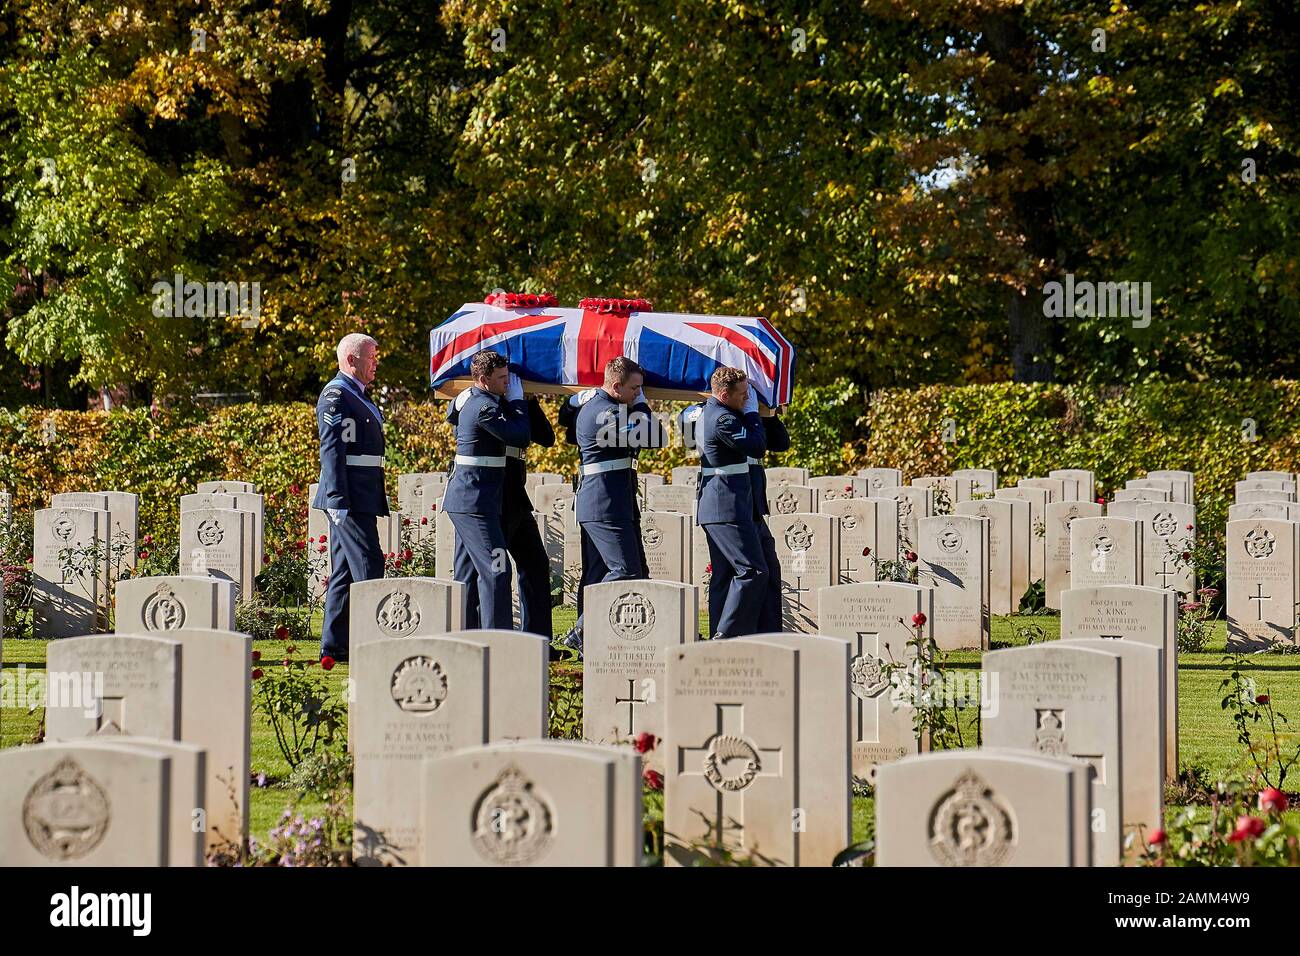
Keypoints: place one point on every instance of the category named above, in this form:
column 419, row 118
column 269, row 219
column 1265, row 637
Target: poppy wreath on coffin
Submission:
column 522, row 300
column 595, row 304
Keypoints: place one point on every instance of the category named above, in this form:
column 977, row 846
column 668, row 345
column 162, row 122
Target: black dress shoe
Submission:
column 574, row 640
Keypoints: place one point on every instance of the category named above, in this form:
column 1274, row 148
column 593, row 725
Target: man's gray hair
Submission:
column 352, row 344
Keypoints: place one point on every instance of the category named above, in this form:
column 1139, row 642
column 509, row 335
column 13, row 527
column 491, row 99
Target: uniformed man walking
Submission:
column 523, row 539
column 613, row 423
column 728, row 434
column 351, row 489
column 492, row 419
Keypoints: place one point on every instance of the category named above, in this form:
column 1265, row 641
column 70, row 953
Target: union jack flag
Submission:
column 566, row 346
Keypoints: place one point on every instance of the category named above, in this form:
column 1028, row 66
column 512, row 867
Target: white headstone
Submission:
column 954, row 560
column 1141, row 615
column 1263, row 590
column 1060, row 515
column 1060, row 700
column 808, row 548
column 1105, row 551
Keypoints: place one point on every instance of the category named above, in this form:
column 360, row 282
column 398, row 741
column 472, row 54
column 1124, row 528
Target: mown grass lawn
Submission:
column 1207, row 737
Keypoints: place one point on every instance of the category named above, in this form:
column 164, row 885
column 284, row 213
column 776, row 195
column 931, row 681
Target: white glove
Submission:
column 751, row 400
column 582, row 398
column 337, row 514
column 461, row 399
column 514, row 388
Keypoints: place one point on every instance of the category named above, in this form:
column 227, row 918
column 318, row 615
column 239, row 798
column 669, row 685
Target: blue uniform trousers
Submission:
column 482, row 563
column 533, row 567
column 739, row 579
column 355, row 556
column 611, row 551
column 769, row 615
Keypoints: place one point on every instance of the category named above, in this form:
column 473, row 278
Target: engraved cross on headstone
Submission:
column 1261, row 597
column 631, row 700
column 729, row 805
column 111, row 718
column 1164, row 572
column 798, row 591
column 866, row 710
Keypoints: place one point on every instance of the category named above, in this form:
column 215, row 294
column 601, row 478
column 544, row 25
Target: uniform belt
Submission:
column 753, row 461
column 740, row 468
column 512, row 452
column 366, row 461
column 600, row 467
column 482, row 461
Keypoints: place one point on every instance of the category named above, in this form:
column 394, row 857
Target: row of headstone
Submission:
column 146, row 759
column 1070, row 773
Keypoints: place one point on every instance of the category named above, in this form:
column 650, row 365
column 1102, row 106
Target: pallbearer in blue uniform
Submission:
column 492, row 419
column 728, row 434
column 351, row 489
column 778, row 440
column 612, row 424
column 523, row 540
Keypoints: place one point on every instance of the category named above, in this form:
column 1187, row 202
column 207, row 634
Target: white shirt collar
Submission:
column 354, row 380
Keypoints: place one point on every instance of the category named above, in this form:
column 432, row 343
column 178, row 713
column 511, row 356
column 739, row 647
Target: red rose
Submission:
column 1101, row 500
column 1156, row 838
column 294, row 490
column 645, row 742
column 1272, row 800
column 327, row 663
column 848, row 489
column 392, row 554
column 286, row 662
column 408, row 554
column 257, row 655
column 406, row 521
column 257, row 673
column 918, row 619
column 708, row 568
column 866, row 551
column 282, row 633
column 911, row 556
column 654, row 780
column 1262, row 699
column 300, row 545
column 424, row 519
column 323, row 548
column 1187, row 555
column 148, row 539
column 266, row 559
column 397, row 562
column 144, row 556
column 1189, row 527
column 1247, row 827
